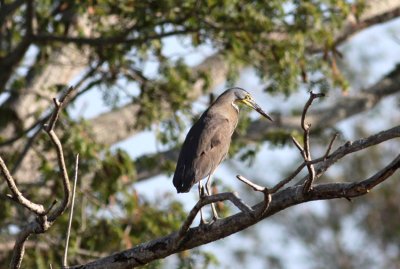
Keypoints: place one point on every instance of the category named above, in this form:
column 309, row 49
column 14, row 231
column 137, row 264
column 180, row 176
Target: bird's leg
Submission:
column 208, row 189
column 201, row 195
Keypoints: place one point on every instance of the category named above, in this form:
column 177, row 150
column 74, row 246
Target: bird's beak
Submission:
column 253, row 105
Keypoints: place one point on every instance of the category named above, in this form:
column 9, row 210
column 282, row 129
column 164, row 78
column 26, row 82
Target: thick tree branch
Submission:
column 165, row 246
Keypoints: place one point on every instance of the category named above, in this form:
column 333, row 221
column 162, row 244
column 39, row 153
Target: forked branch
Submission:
column 44, row 217
column 306, row 141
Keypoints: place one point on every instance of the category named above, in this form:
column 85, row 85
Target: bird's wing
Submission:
column 213, row 147
column 216, row 132
column 204, row 148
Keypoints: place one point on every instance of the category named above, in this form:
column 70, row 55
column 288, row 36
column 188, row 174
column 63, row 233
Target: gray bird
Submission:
column 207, row 142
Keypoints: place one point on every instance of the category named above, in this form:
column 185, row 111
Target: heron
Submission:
column 207, row 142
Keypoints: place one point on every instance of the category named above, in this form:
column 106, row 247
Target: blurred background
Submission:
column 144, row 71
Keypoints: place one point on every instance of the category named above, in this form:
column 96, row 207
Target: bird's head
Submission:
column 244, row 97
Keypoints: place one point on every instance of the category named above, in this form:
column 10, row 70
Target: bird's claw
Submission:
column 203, row 223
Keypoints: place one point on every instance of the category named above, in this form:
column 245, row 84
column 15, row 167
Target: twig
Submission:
column 305, row 150
column 59, row 104
column 71, row 213
column 51, row 206
column 330, row 145
column 17, row 196
column 283, row 182
column 298, row 146
column 306, row 141
column 254, row 186
column 60, row 156
column 264, row 190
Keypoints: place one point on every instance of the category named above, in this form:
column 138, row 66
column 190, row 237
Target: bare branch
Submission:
column 285, row 181
column 328, row 150
column 298, row 146
column 254, row 186
column 351, row 147
column 44, row 218
column 165, row 246
column 264, row 190
column 16, row 194
column 306, row 141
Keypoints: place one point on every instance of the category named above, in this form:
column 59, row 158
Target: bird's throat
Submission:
column 235, row 106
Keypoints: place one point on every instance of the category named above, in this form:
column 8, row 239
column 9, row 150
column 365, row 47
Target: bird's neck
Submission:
column 235, row 106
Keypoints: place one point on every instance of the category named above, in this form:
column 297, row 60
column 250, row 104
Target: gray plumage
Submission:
column 207, row 142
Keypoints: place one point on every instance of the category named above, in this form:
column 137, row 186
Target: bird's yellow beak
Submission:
column 251, row 103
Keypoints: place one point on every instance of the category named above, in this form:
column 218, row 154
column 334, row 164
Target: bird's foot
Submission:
column 202, row 192
column 203, row 223
column 214, row 219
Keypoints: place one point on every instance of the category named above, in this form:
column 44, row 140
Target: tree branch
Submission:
column 165, row 246
column 16, row 194
column 104, row 41
column 306, row 141
column 44, row 218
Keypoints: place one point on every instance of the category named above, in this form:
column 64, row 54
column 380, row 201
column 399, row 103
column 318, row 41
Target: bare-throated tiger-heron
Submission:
column 207, row 142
